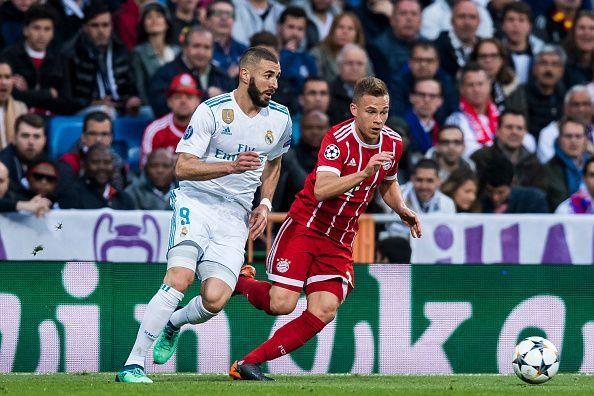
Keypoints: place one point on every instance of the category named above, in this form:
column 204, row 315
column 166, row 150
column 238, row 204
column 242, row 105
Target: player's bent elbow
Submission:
column 320, row 195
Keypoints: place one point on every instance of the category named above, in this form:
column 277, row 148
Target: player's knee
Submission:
column 215, row 294
column 179, row 278
column 325, row 312
column 282, row 303
column 214, row 303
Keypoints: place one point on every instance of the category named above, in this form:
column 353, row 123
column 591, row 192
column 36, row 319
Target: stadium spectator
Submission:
column 501, row 196
column 155, row 46
column 346, row 29
column 390, row 51
column 579, row 46
column 94, row 190
column 554, row 25
column 375, row 16
column 517, row 38
column 301, row 159
column 564, row 170
column 491, row 56
column 195, row 59
column 12, row 16
column 220, row 17
column 70, row 15
column 478, row 115
column 582, row 201
column 151, row 190
column 423, row 64
column 578, row 103
column 449, row 151
column 126, row 21
column 185, row 16
column 38, row 205
column 541, row 98
column 320, row 17
column 426, row 98
column 97, row 128
column 10, row 109
column 40, row 80
column 254, row 16
column 511, row 133
column 495, row 8
column 29, row 143
column 438, row 17
column 296, row 64
column 352, row 61
column 99, row 71
column 462, row 186
column 183, row 96
column 454, row 46
column 315, row 96
column 42, row 180
column 267, row 40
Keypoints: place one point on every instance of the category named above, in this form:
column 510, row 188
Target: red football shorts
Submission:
column 303, row 258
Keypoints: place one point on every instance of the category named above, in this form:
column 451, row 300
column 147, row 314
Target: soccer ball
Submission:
column 536, row 360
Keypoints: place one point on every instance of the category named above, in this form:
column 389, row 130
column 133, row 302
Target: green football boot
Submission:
column 166, row 344
column 134, row 374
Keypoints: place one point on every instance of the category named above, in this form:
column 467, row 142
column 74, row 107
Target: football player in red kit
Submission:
column 313, row 248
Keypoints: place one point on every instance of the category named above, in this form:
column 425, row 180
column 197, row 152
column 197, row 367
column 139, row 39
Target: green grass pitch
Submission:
column 197, row 384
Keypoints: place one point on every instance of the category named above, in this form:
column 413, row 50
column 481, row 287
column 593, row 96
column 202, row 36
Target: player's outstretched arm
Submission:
column 391, row 194
column 329, row 185
column 190, row 167
column 259, row 216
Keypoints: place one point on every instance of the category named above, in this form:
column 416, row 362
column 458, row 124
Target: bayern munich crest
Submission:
column 282, row 265
column 332, row 152
column 387, row 165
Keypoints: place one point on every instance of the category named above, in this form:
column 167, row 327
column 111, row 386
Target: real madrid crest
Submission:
column 269, row 137
column 227, row 115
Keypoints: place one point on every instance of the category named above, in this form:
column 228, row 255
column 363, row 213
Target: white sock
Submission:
column 193, row 313
column 158, row 312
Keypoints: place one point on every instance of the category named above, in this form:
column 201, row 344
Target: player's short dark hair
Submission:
column 210, row 7
column 498, row 172
column 40, row 12
column 471, row 67
column 292, row 11
column 519, row 7
column 586, row 164
column 254, row 55
column 369, row 86
column 97, row 116
column 31, row 119
column 426, row 163
column 510, row 111
column 264, row 38
column 570, row 119
column 396, row 249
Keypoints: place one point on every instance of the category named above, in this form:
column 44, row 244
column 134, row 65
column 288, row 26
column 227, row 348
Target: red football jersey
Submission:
column 342, row 152
column 161, row 133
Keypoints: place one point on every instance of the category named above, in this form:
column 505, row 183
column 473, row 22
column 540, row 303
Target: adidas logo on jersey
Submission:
column 352, row 162
column 226, row 131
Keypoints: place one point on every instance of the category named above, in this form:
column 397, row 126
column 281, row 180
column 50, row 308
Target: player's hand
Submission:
column 246, row 161
column 258, row 221
column 411, row 219
column 376, row 161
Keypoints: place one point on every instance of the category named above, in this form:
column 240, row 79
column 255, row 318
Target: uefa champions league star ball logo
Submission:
column 332, row 152
column 189, row 132
column 282, row 265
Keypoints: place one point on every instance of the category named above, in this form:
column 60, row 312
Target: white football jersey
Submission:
column 219, row 130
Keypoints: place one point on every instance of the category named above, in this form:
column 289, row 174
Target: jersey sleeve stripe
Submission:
column 328, row 169
column 394, row 177
column 219, row 103
column 216, row 99
column 342, row 131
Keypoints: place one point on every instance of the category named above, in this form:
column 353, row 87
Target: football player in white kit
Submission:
column 233, row 142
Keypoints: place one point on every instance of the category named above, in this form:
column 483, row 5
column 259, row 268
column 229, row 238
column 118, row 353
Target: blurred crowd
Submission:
column 494, row 99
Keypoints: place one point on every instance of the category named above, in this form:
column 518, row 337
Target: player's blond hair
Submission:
column 372, row 86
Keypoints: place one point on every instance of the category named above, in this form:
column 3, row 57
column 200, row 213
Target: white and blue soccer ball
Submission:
column 536, row 360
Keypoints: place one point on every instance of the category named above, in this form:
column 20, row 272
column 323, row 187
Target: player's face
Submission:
column 263, row 82
column 371, row 113
column 465, row 195
column 511, row 132
column 588, row 179
column 425, row 182
column 99, row 166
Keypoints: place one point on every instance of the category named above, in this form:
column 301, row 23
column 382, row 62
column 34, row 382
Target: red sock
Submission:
column 286, row 339
column 257, row 292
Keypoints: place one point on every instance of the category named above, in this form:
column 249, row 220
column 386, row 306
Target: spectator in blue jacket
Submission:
column 195, row 59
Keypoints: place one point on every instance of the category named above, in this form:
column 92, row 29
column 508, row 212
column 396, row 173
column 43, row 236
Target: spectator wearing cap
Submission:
column 253, row 16
column 151, row 190
column 155, row 46
column 582, row 201
column 94, row 190
column 99, row 66
column 183, row 97
column 40, row 77
column 196, row 60
column 541, row 98
column 10, row 108
column 501, row 196
column 220, row 17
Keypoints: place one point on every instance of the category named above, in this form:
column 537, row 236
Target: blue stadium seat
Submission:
column 63, row 132
column 128, row 131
